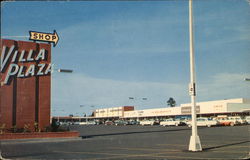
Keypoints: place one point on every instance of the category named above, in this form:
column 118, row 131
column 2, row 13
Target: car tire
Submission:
column 232, row 124
column 176, row 124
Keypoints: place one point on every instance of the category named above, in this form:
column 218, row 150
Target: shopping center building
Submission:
column 239, row 106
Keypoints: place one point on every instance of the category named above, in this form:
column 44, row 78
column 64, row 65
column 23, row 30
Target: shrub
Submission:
column 2, row 128
column 36, row 127
column 26, row 128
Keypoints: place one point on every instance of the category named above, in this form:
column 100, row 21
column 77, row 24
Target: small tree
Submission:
column 171, row 102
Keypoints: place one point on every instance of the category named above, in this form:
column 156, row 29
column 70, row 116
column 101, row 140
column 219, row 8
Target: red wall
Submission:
column 25, row 100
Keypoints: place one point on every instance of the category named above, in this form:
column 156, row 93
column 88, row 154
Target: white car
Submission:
column 87, row 123
column 204, row 121
column 91, row 123
column 247, row 119
column 147, row 122
column 170, row 122
column 237, row 120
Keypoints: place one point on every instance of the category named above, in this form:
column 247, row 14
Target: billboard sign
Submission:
column 23, row 63
column 44, row 37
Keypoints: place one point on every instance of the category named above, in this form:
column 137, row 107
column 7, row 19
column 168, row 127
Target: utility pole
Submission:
column 194, row 144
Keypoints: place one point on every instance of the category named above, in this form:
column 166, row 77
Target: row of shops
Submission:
column 239, row 106
column 232, row 107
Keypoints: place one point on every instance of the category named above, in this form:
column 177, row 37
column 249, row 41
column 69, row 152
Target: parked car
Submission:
column 247, row 119
column 157, row 122
column 76, row 123
column 225, row 121
column 147, row 122
column 237, row 120
column 91, row 123
column 82, row 123
column 109, row 123
column 204, row 121
column 120, row 122
column 133, row 122
column 170, row 122
column 98, row 122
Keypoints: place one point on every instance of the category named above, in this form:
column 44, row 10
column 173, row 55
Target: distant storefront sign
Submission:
column 187, row 110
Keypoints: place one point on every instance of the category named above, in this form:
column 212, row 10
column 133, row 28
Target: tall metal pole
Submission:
column 194, row 144
column 1, row 155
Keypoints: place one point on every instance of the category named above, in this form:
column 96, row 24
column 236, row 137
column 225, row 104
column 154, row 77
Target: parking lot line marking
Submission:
column 234, row 147
column 153, row 156
column 230, row 152
column 208, row 145
column 164, row 151
column 172, row 145
column 103, row 153
column 146, row 149
column 233, row 141
column 120, row 155
column 173, row 151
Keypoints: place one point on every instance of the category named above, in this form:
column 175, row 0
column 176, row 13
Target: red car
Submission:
column 109, row 123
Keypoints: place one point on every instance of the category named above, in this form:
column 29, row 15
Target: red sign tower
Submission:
column 25, row 89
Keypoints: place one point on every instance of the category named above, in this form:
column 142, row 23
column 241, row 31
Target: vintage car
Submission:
column 229, row 121
column 170, row 122
column 204, row 121
column 147, row 122
column 120, row 122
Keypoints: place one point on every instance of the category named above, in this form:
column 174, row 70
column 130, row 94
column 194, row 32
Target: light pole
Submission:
column 85, row 113
column 134, row 98
column 60, row 71
column 1, row 155
column 194, row 144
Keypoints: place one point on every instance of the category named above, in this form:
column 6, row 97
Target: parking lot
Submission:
column 134, row 142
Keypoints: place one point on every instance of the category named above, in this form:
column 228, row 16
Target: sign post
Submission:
column 194, row 144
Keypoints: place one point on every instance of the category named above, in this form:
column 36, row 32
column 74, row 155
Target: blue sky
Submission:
column 138, row 49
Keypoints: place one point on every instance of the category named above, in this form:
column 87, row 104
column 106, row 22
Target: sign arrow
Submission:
column 44, row 37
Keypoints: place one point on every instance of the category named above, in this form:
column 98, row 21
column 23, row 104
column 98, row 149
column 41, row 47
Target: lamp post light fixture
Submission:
column 65, row 70
column 247, row 79
column 194, row 144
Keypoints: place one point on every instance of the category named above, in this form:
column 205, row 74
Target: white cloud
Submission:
column 224, row 85
column 71, row 91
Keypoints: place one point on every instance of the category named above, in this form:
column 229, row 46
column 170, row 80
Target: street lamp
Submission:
column 65, row 70
column 85, row 113
column 194, row 144
column 134, row 98
column 60, row 71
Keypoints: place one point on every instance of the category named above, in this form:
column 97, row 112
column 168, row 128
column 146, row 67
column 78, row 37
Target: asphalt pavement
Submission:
column 102, row 142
